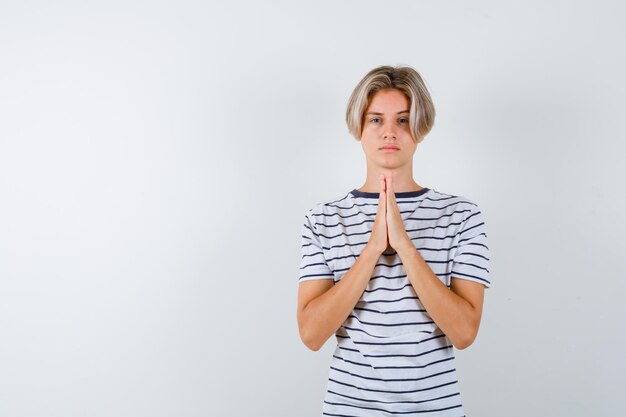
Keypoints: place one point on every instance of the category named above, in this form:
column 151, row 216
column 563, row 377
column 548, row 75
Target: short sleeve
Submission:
column 313, row 264
column 471, row 260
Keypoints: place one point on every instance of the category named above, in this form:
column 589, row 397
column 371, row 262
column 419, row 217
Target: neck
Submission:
column 402, row 179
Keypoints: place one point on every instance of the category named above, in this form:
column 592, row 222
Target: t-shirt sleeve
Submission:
column 313, row 264
column 471, row 260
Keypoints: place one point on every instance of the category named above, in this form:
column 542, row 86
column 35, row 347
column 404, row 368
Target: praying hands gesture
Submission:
column 324, row 305
column 457, row 313
column 388, row 227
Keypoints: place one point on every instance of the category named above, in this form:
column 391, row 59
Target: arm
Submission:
column 456, row 311
column 323, row 307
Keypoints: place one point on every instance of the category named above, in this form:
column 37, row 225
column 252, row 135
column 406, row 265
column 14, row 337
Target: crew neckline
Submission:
column 405, row 194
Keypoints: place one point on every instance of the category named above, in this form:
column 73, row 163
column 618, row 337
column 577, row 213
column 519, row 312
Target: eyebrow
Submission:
column 381, row 114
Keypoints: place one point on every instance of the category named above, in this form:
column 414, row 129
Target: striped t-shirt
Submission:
column 391, row 359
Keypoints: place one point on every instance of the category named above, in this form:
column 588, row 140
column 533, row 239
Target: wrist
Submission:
column 370, row 252
column 406, row 249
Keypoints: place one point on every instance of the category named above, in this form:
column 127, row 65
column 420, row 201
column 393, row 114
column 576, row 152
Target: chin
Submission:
column 389, row 167
column 386, row 164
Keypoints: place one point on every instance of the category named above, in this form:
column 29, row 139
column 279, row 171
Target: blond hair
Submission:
column 403, row 78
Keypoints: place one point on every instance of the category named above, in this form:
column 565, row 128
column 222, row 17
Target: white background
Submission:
column 157, row 159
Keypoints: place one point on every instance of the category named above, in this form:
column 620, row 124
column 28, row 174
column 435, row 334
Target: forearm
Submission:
column 322, row 316
column 453, row 314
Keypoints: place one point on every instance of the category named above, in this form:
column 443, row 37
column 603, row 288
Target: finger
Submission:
column 381, row 196
column 392, row 194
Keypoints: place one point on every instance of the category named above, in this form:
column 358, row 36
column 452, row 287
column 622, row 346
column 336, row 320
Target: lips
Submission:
column 390, row 147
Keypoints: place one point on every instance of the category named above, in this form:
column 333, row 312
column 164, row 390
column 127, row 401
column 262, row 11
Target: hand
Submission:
column 396, row 234
column 378, row 239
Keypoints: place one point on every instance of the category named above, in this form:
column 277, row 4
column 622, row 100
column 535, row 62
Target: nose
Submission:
column 390, row 132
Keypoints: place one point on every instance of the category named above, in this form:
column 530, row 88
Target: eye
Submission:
column 375, row 120
column 403, row 120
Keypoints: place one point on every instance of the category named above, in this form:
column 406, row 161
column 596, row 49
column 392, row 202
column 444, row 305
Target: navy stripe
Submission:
column 312, row 231
column 392, row 379
column 435, row 219
column 370, row 204
column 357, row 213
column 328, row 226
column 400, row 194
column 350, row 349
column 369, row 217
column 448, row 249
column 475, row 266
column 318, row 263
column 470, row 276
column 473, row 254
column 438, row 208
column 408, row 230
column 414, row 238
column 427, row 197
column 367, row 365
column 343, row 257
column 391, row 266
column 392, row 277
column 394, row 392
column 316, row 275
column 354, row 329
column 312, row 254
column 391, row 412
column 369, row 232
column 392, row 301
column 474, row 214
column 372, row 216
column 439, row 275
column 448, row 197
column 420, row 201
column 352, row 245
column 334, row 204
column 371, row 310
column 396, row 343
column 407, row 355
column 375, row 277
column 370, row 323
column 388, row 289
column 397, row 276
column 478, row 244
column 395, row 402
column 473, row 237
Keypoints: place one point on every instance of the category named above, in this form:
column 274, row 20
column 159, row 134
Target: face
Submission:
column 386, row 137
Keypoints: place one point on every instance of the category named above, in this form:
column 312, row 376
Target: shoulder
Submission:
column 444, row 199
column 330, row 205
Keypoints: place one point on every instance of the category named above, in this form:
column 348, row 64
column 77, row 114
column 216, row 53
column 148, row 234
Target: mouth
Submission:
column 389, row 148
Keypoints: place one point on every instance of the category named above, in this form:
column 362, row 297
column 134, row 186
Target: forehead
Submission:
column 388, row 100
